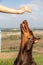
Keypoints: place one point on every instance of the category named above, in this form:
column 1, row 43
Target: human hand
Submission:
column 26, row 9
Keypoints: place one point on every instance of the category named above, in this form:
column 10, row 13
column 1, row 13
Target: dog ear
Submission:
column 36, row 39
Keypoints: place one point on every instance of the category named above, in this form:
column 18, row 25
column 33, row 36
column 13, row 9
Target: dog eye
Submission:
column 29, row 38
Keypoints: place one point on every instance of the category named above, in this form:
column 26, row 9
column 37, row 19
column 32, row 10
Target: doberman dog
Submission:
column 27, row 40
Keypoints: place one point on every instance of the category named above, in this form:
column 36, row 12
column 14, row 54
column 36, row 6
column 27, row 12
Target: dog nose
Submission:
column 24, row 21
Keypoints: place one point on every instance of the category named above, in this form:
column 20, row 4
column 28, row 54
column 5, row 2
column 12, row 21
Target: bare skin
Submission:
column 23, row 9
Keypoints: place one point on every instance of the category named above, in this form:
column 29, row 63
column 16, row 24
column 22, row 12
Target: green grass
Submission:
column 37, row 57
column 6, row 61
column 9, row 50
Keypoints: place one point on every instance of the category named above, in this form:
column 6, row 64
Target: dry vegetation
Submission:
column 11, row 43
column 10, row 46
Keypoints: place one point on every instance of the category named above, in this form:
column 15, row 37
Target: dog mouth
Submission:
column 23, row 26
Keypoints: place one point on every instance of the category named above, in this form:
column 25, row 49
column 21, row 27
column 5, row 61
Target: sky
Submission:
column 35, row 19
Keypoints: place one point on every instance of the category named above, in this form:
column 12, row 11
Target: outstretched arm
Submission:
column 14, row 11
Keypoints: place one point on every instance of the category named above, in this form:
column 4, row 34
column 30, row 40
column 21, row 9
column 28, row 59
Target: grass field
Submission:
column 11, row 40
column 37, row 57
column 11, row 43
column 6, row 61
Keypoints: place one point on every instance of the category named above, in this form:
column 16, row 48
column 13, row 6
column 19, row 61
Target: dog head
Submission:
column 27, row 34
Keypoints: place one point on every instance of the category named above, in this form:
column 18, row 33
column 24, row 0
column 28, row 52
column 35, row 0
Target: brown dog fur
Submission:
column 27, row 40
